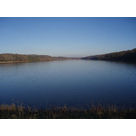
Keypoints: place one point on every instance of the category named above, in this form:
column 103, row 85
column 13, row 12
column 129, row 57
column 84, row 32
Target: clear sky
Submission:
column 67, row 36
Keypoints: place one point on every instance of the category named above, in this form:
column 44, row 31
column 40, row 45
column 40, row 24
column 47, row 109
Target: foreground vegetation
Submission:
column 94, row 112
column 123, row 56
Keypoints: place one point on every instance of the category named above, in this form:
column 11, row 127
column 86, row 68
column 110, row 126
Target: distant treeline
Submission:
column 124, row 56
column 27, row 58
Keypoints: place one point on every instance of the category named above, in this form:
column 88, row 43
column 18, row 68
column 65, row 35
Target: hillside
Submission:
column 124, row 56
column 11, row 58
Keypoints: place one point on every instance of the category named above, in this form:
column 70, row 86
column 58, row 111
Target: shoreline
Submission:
column 14, row 62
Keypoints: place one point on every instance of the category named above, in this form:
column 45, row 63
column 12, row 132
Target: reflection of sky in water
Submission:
column 76, row 82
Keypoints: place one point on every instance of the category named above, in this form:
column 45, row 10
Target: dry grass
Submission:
column 94, row 112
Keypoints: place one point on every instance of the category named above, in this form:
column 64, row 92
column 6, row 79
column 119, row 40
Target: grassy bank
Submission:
column 95, row 112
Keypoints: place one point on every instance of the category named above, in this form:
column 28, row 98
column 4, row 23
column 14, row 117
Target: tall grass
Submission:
column 94, row 112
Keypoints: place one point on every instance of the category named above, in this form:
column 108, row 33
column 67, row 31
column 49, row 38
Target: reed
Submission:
column 94, row 112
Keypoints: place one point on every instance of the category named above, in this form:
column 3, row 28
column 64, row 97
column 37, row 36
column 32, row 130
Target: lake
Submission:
column 76, row 83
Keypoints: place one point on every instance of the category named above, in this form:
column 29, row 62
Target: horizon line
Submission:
column 64, row 56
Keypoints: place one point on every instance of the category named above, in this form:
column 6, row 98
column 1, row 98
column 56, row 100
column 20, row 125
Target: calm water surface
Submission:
column 72, row 82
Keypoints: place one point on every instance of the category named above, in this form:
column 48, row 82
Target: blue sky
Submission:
column 67, row 36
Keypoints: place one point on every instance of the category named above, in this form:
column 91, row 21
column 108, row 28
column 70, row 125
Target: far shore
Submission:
column 14, row 62
column 128, row 56
column 22, row 58
column 10, row 62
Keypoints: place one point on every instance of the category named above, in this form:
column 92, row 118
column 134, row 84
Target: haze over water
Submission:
column 71, row 82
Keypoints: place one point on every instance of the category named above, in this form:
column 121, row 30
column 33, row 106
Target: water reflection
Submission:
column 73, row 82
